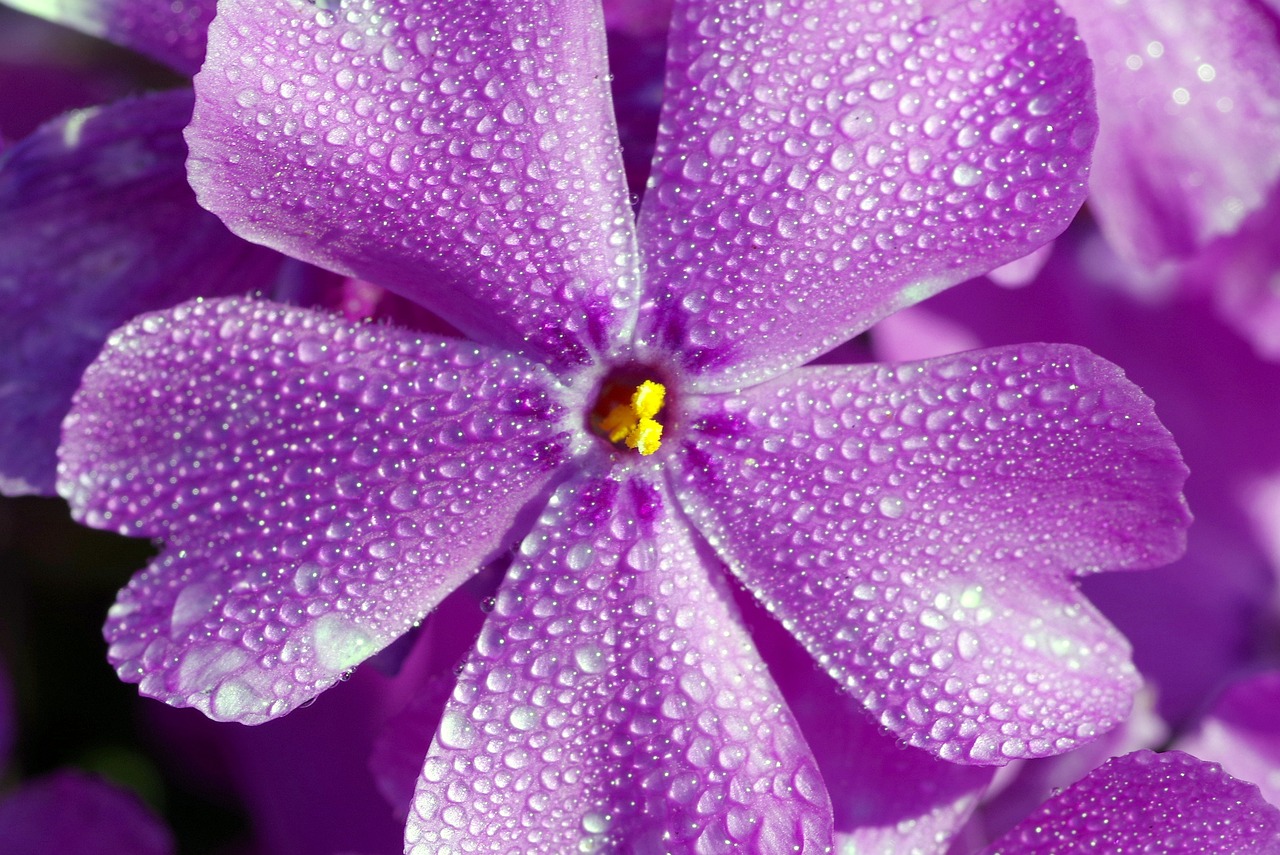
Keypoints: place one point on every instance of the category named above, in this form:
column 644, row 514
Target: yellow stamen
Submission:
column 645, row 437
column 648, row 398
column 633, row 424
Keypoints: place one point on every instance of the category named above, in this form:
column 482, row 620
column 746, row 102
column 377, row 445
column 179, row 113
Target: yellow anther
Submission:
column 647, row 400
column 645, row 437
column 631, row 421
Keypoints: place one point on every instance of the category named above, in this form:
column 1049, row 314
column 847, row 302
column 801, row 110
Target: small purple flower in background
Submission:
column 633, row 414
column 71, row 812
column 76, row 813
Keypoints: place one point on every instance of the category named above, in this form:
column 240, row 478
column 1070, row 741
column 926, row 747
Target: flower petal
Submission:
column 1220, row 402
column 887, row 798
column 319, row 487
column 615, row 703
column 461, row 154
column 1189, row 104
column 1242, row 732
column 97, row 224
column 916, row 528
column 821, row 165
column 74, row 813
column 169, row 31
column 1148, row 802
column 1240, row 272
column 445, row 640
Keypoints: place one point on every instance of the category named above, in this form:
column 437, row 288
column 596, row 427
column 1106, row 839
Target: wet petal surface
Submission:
column 917, row 529
column 462, row 154
column 820, row 165
column 318, row 486
column 615, row 703
column 1147, row 802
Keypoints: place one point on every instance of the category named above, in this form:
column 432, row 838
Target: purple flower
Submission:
column 74, row 812
column 321, row 486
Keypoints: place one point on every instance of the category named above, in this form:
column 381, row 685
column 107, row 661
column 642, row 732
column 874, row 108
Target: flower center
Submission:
column 625, row 413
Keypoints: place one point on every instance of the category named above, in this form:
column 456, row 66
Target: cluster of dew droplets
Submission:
column 916, row 528
column 479, row 153
column 318, row 487
column 869, row 142
column 1148, row 802
column 614, row 701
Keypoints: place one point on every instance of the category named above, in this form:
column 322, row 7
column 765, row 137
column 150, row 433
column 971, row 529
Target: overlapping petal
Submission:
column 318, row 486
column 615, row 703
column 1242, row 732
column 170, row 31
column 1147, row 802
column 886, row 798
column 1240, row 272
column 1189, row 103
column 97, row 224
column 462, row 154
column 917, row 527
column 820, row 165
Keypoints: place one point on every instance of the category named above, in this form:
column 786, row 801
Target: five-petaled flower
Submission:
column 320, row 487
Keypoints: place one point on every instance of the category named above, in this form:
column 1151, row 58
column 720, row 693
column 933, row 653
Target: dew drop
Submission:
column 455, row 730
